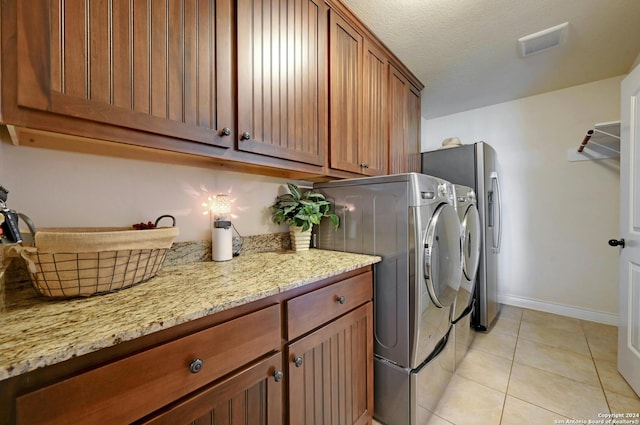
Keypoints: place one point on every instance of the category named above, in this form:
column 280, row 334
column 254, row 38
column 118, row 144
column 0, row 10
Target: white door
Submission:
column 629, row 330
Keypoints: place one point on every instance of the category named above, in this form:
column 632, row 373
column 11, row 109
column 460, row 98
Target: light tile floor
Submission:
column 537, row 368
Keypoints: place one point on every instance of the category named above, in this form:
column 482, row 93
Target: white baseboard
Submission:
column 561, row 309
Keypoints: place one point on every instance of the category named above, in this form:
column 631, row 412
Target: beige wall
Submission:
column 636, row 62
column 558, row 215
column 68, row 189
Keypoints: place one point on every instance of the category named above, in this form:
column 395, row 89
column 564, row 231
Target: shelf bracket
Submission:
column 601, row 142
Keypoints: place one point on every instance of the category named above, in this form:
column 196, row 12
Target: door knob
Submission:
column 616, row 242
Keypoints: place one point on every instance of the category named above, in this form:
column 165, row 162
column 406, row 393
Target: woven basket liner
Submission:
column 83, row 262
column 94, row 239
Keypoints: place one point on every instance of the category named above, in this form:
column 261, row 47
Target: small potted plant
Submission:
column 301, row 210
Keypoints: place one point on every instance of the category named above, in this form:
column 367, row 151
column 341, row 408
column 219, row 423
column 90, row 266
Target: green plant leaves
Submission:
column 303, row 209
column 295, row 191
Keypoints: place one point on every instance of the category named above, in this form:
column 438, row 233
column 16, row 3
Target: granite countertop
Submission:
column 37, row 332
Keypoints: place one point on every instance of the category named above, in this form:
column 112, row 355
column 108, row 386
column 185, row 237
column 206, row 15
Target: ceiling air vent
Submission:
column 543, row 40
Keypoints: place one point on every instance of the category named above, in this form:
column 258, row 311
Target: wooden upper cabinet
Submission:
column 412, row 143
column 273, row 85
column 162, row 67
column 282, row 79
column 404, row 124
column 345, row 75
column 358, row 117
column 375, row 119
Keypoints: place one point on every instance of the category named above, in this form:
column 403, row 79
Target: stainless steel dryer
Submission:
column 411, row 222
column 476, row 166
column 471, row 246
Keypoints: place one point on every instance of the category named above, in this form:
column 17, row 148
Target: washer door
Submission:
column 443, row 256
column 471, row 242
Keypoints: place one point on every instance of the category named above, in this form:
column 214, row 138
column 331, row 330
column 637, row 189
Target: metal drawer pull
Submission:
column 245, row 136
column 342, row 299
column 298, row 361
column 225, row 131
column 278, row 375
column 196, row 365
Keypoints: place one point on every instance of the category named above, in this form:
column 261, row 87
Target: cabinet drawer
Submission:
column 247, row 397
column 133, row 387
column 311, row 310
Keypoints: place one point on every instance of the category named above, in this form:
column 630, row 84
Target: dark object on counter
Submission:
column 3, row 194
column 152, row 225
column 143, row 226
column 10, row 230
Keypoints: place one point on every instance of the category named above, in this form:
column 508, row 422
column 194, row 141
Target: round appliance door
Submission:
column 443, row 256
column 471, row 242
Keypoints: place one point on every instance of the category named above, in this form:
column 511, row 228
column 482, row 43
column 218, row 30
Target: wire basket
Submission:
column 79, row 262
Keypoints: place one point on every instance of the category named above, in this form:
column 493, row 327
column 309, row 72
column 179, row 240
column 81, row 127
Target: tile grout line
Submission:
column 543, row 370
column 593, row 360
column 513, row 359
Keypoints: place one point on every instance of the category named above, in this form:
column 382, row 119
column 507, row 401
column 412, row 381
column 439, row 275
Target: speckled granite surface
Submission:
column 190, row 252
column 36, row 332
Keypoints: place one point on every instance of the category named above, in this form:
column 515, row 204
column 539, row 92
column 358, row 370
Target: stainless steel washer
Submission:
column 410, row 221
column 471, row 245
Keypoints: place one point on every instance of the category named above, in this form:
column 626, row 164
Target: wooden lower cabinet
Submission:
column 251, row 396
column 331, row 372
column 133, row 387
column 234, row 367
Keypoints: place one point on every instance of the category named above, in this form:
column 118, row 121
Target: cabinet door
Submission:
column 412, row 143
column 282, row 79
column 251, row 396
column 162, row 67
column 331, row 372
column 404, row 124
column 345, row 77
column 375, row 139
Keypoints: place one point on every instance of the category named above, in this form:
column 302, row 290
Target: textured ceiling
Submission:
column 466, row 53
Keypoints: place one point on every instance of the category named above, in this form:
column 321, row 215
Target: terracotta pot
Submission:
column 300, row 240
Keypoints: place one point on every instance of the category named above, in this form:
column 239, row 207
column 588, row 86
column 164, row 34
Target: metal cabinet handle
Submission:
column 616, row 242
column 245, row 136
column 298, row 361
column 363, row 165
column 225, row 131
column 196, row 365
column 278, row 375
column 341, row 299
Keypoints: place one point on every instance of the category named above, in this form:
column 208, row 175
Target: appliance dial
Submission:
column 442, row 190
